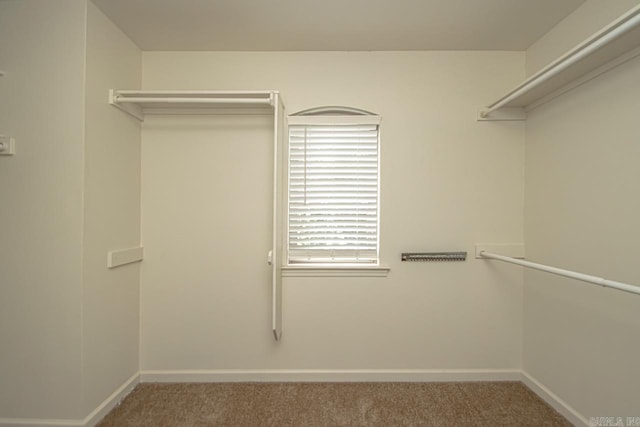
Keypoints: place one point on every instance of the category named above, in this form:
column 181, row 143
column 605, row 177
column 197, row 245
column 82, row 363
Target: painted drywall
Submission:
column 110, row 298
column 582, row 23
column 70, row 330
column 42, row 52
column 448, row 182
column 581, row 213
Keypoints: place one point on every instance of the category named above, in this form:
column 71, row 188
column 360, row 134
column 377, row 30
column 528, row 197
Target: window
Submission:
column 333, row 191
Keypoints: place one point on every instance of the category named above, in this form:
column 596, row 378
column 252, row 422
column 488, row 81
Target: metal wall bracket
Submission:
column 505, row 114
column 434, row 256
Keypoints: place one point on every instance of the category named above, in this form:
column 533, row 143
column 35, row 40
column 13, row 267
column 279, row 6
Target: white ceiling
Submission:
column 264, row 25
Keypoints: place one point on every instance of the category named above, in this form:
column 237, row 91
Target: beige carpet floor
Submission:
column 333, row 404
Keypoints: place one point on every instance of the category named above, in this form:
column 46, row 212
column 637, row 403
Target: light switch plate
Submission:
column 7, row 146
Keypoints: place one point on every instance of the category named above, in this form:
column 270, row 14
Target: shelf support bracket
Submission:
column 505, row 114
column 132, row 110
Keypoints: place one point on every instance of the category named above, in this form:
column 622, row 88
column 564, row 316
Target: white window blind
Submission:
column 333, row 193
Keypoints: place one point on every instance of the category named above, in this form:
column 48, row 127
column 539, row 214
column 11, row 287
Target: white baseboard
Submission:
column 89, row 421
column 554, row 401
column 38, row 422
column 321, row 375
column 110, row 402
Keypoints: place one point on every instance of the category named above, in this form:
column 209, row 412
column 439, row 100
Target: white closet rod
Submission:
column 194, row 100
column 566, row 273
column 623, row 25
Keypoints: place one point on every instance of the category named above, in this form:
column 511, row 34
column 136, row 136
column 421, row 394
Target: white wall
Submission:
column 42, row 51
column 69, row 328
column 581, row 213
column 447, row 183
column 582, row 23
column 110, row 298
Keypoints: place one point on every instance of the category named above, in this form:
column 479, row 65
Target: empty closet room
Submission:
column 148, row 199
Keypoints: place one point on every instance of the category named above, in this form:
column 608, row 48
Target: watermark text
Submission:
column 614, row 421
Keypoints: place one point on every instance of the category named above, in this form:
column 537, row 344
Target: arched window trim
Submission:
column 333, row 110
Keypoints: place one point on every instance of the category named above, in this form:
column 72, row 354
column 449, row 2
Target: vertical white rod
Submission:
column 566, row 273
column 276, row 267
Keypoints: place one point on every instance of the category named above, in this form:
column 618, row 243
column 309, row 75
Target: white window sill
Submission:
column 331, row 270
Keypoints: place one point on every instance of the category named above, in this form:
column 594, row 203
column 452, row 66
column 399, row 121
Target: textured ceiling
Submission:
column 266, row 25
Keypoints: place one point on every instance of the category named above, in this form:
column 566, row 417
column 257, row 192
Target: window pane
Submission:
column 333, row 193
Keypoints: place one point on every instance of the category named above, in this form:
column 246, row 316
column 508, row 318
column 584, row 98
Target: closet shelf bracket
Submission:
column 504, row 115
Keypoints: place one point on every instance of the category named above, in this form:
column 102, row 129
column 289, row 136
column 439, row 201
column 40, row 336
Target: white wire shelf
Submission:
column 613, row 45
column 140, row 103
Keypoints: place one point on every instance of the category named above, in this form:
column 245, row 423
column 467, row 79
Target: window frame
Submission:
column 332, row 116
